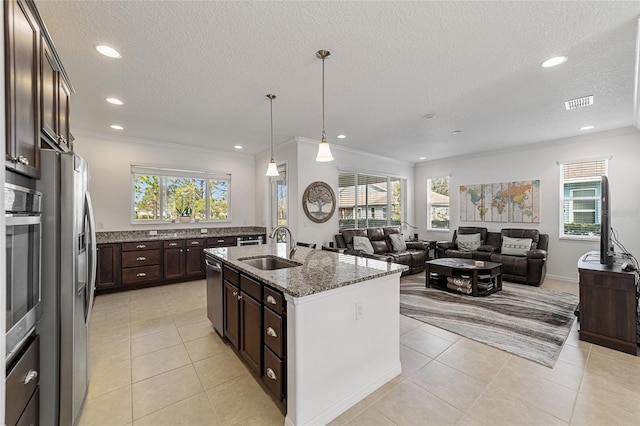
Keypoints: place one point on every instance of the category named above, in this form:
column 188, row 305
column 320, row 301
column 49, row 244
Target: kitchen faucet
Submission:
column 290, row 241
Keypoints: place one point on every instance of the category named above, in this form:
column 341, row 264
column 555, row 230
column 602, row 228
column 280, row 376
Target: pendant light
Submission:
column 272, row 169
column 324, row 153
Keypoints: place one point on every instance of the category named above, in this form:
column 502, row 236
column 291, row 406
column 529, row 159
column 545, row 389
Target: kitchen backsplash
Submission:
column 182, row 233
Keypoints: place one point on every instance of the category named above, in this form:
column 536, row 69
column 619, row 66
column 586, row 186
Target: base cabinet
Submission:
column 108, row 270
column 22, row 386
column 232, row 314
column 174, row 256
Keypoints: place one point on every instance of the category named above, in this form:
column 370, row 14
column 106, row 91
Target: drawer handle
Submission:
column 239, row 297
column 271, row 332
column 221, row 241
column 195, row 243
column 272, row 300
column 32, row 374
column 23, row 160
column 141, row 274
column 235, row 293
column 141, row 258
column 271, row 374
column 141, row 246
column 173, row 244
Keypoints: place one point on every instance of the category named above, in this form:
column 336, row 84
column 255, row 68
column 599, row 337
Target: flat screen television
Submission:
column 606, row 248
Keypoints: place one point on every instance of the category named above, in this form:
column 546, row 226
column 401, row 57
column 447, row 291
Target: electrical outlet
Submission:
column 153, row 232
column 359, row 310
column 204, row 230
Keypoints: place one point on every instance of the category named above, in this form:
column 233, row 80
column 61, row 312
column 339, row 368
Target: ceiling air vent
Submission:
column 579, row 102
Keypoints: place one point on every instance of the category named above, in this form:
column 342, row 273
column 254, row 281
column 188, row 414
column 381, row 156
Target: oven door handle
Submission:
column 93, row 252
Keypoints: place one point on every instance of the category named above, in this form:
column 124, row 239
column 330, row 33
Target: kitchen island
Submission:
column 340, row 325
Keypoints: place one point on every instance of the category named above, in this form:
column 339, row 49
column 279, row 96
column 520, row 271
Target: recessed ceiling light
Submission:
column 341, row 136
column 423, row 158
column 108, row 51
column 114, row 101
column 116, row 127
column 238, row 146
column 587, row 127
column 552, row 62
column 456, row 132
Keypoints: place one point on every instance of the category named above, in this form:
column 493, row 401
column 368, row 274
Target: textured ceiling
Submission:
column 197, row 72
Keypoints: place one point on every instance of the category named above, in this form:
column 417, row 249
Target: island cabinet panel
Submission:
column 195, row 266
column 273, row 374
column 174, row 260
column 232, row 313
column 251, row 331
column 22, row 61
column 108, row 270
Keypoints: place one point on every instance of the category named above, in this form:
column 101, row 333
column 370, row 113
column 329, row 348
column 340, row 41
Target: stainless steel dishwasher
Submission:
column 214, row 293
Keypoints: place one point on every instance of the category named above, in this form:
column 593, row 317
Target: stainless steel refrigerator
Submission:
column 68, row 282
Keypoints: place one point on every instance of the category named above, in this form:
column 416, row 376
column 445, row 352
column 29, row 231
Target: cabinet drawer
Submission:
column 174, row 244
column 251, row 287
column 221, row 242
column 231, row 275
column 31, row 414
column 145, row 245
column 273, row 299
column 272, row 374
column 22, row 381
column 273, row 332
column 140, row 258
column 196, row 242
column 142, row 274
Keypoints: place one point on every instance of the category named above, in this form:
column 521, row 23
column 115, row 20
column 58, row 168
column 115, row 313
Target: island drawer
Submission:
column 272, row 374
column 231, row 275
column 142, row 274
column 195, row 242
column 251, row 287
column 146, row 245
column 140, row 258
column 174, row 244
column 222, row 242
column 273, row 332
column 273, row 299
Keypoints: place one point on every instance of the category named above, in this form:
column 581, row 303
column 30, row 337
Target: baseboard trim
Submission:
column 344, row 404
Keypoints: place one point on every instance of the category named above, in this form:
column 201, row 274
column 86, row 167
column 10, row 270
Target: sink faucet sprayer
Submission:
column 290, row 241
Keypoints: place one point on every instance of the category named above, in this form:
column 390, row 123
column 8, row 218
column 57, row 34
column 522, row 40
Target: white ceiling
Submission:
column 197, row 72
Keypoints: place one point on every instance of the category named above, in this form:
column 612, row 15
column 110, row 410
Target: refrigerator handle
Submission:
column 93, row 252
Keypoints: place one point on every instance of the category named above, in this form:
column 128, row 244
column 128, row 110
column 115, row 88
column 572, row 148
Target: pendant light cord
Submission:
column 271, row 108
column 324, row 135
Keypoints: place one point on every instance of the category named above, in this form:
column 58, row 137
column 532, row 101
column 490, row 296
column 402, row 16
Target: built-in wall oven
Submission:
column 23, row 216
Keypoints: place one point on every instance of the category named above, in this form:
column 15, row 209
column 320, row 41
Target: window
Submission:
column 368, row 200
column 438, row 204
column 168, row 195
column 279, row 201
column 580, row 198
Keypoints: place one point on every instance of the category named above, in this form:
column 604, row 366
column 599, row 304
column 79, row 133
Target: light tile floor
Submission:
column 155, row 360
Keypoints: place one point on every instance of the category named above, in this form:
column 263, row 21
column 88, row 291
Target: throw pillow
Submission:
column 397, row 242
column 468, row 242
column 363, row 244
column 516, row 246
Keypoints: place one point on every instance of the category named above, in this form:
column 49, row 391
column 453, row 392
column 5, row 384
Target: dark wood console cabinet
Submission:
column 608, row 306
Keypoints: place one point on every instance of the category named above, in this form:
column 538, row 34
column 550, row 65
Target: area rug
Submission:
column 529, row 322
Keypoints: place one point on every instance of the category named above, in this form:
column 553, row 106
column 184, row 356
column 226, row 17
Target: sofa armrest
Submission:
column 536, row 254
column 446, row 245
column 487, row 248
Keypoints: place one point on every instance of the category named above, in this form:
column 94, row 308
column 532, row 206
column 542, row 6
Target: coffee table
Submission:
column 457, row 268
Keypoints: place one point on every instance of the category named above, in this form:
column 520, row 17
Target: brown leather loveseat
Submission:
column 382, row 239
column 529, row 266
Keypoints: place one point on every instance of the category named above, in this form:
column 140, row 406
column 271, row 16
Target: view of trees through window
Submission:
column 367, row 200
column 175, row 198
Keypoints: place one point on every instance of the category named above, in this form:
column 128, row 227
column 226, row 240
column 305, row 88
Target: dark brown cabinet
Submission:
column 231, row 313
column 141, row 262
column 22, row 41
column 174, row 256
column 54, row 100
column 22, row 386
column 195, row 266
column 108, row 270
column 251, row 322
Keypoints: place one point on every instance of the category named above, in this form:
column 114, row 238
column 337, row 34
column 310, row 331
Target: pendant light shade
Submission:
column 272, row 169
column 324, row 153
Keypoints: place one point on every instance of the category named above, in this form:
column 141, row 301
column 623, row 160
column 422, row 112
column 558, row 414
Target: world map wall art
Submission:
column 517, row 202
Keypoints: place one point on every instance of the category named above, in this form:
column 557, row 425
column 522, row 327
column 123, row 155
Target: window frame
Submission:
column 163, row 173
column 273, row 197
column 570, row 198
column 432, row 204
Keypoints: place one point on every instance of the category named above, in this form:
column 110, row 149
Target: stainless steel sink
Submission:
column 270, row 263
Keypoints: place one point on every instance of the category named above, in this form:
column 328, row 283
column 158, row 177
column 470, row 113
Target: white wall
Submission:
column 300, row 154
column 3, row 261
column 110, row 160
column 540, row 161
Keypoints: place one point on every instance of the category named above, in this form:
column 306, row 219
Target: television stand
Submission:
column 608, row 305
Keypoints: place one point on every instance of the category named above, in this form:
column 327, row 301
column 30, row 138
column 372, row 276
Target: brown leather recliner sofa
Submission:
column 528, row 268
column 414, row 256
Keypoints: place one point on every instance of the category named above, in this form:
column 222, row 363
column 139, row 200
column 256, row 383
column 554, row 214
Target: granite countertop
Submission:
column 177, row 234
column 321, row 270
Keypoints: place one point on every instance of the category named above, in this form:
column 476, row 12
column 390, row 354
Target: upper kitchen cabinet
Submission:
column 37, row 90
column 22, row 59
